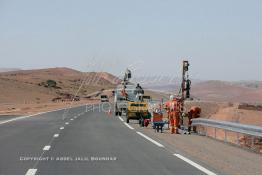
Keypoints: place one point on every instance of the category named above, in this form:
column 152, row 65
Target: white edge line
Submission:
column 56, row 135
column 46, row 148
column 23, row 117
column 151, row 140
column 121, row 119
column 130, row 127
column 31, row 172
column 195, row 164
column 62, row 128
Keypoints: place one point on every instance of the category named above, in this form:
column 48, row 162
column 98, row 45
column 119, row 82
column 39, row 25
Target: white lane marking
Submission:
column 75, row 117
column 62, row 128
column 56, row 135
column 46, row 148
column 130, row 127
column 206, row 171
column 23, row 117
column 71, row 119
column 31, row 172
column 121, row 119
column 67, row 123
column 151, row 140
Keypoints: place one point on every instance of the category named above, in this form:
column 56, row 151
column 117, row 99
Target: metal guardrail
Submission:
column 251, row 130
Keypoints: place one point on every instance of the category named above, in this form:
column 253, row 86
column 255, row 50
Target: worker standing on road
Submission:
column 173, row 114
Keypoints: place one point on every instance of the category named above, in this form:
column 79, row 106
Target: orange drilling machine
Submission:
column 175, row 107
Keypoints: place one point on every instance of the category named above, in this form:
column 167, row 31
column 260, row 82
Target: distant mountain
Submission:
column 213, row 90
column 8, row 69
column 250, row 92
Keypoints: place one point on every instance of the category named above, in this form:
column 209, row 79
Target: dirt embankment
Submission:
column 30, row 91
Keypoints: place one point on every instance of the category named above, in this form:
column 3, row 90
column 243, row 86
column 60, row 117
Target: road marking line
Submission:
column 195, row 164
column 67, row 123
column 72, row 119
column 62, row 128
column 46, row 148
column 56, row 135
column 130, row 127
column 40, row 113
column 31, row 172
column 151, row 140
column 121, row 119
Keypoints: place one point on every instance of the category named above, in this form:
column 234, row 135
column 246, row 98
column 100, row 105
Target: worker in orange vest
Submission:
column 173, row 115
column 194, row 112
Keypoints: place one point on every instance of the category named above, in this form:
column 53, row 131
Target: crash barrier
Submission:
column 250, row 131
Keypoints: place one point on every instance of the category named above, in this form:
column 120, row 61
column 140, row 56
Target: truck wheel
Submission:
column 120, row 113
column 127, row 120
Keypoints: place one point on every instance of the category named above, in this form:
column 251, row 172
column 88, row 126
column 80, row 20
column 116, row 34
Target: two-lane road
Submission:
column 89, row 142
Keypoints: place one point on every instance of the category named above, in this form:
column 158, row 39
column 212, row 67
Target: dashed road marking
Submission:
column 151, row 140
column 71, row 119
column 121, row 119
column 31, row 172
column 206, row 171
column 24, row 117
column 62, row 128
column 67, row 123
column 46, row 148
column 56, row 135
column 130, row 127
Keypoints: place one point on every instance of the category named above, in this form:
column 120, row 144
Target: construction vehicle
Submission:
column 129, row 102
column 104, row 98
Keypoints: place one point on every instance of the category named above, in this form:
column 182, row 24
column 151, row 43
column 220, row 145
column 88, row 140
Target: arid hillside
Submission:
column 221, row 91
column 54, row 85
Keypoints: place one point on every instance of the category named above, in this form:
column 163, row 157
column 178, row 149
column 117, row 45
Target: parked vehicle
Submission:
column 104, row 98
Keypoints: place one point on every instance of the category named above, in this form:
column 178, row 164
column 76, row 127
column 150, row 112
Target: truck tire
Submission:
column 127, row 120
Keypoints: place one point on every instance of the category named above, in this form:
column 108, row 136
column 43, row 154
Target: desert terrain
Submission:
column 29, row 91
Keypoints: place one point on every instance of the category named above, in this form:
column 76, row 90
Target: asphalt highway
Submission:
column 84, row 140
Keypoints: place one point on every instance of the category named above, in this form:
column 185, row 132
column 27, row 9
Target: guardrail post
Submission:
column 252, row 143
column 225, row 136
column 238, row 143
column 215, row 133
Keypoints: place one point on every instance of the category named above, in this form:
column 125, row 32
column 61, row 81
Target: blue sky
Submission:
column 222, row 39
